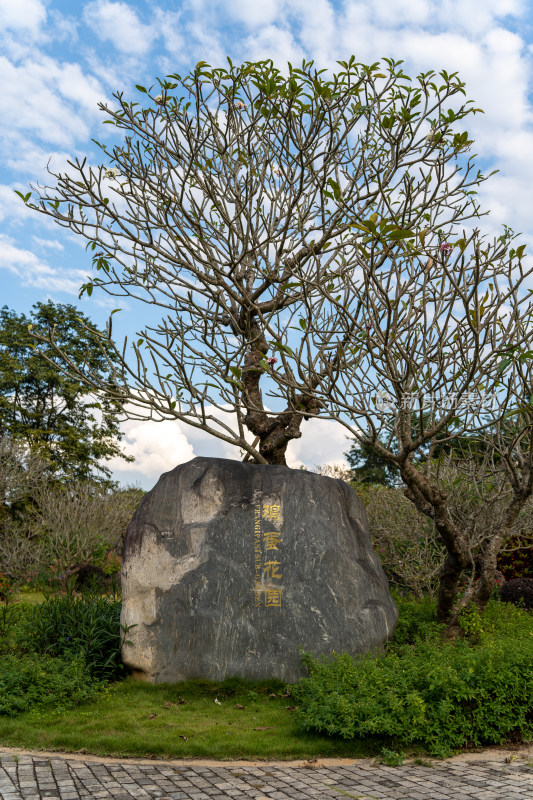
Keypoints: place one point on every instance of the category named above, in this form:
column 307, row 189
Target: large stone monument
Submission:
column 229, row 568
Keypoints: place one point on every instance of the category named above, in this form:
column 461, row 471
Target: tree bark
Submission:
column 431, row 502
column 274, row 432
column 481, row 591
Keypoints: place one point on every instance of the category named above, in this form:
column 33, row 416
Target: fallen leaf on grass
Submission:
column 291, row 708
column 238, row 705
column 265, row 728
column 285, row 695
column 185, row 738
column 151, row 716
column 270, row 696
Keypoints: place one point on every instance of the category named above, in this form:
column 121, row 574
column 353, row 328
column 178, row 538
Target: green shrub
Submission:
column 86, row 626
column 28, row 682
column 417, row 621
column 439, row 694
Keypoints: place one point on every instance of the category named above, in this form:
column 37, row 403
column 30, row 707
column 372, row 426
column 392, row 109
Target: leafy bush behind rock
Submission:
column 442, row 695
column 405, row 541
column 516, row 560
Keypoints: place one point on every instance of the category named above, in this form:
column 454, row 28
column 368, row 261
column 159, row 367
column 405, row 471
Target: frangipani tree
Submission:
column 225, row 212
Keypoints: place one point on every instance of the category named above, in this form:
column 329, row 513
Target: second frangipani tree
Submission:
column 431, row 367
column 237, row 215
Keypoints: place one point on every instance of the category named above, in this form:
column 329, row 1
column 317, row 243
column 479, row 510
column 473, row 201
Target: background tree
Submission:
column 64, row 526
column 21, row 474
column 53, row 414
column 406, row 541
column 369, row 466
column 233, row 194
column 81, row 523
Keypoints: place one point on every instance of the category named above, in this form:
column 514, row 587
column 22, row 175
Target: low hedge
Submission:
column 428, row 691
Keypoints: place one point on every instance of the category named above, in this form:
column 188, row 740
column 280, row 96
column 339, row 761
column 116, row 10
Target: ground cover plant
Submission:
column 427, row 690
column 27, row 682
column 426, row 694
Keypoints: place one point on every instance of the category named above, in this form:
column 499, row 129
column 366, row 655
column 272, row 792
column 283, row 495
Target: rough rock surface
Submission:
column 229, row 568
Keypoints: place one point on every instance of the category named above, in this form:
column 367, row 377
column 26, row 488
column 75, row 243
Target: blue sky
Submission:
column 58, row 59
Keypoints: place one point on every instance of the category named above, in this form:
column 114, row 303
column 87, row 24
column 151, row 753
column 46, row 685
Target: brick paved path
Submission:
column 36, row 777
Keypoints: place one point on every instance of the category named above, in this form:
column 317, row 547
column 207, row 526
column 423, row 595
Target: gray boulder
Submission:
column 229, row 568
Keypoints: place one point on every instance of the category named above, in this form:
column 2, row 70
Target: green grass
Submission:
column 121, row 722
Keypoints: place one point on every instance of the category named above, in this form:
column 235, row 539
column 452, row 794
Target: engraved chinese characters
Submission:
column 230, row 568
column 268, row 586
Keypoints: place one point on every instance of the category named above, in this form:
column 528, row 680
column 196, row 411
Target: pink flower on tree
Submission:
column 272, row 360
column 446, row 249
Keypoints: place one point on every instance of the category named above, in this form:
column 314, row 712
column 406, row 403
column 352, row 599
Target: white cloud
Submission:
column 62, row 28
column 157, row 447
column 323, row 442
column 170, row 25
column 51, row 244
column 473, row 16
column 45, row 98
column 25, row 15
column 12, row 209
column 33, row 271
column 202, row 42
column 253, row 13
column 317, row 31
column 24, row 156
column 275, row 43
column 401, row 12
column 119, row 24
column 160, row 446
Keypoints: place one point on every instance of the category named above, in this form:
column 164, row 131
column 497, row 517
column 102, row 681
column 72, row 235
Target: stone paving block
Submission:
column 38, row 778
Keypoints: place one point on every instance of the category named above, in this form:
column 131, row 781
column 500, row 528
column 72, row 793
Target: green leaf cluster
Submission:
column 53, row 413
column 28, row 683
column 71, row 627
column 439, row 694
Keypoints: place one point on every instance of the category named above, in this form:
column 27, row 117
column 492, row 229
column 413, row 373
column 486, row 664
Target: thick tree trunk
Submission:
column 481, row 591
column 273, row 431
column 284, row 428
column 431, row 502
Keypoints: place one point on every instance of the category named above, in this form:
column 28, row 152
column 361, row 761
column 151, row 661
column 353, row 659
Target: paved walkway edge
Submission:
column 492, row 754
column 494, row 774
